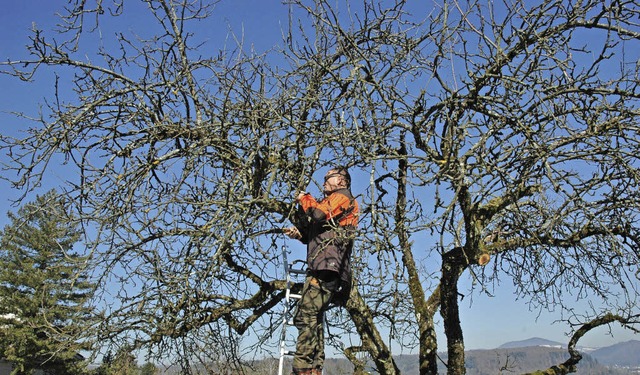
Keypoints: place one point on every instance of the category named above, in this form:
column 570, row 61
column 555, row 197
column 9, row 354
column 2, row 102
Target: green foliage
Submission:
column 148, row 369
column 123, row 363
column 43, row 289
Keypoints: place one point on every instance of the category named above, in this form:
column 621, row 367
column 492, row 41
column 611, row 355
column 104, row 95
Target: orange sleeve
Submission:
column 329, row 207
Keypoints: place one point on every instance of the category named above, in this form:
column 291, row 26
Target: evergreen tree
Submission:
column 149, row 369
column 124, row 363
column 43, row 289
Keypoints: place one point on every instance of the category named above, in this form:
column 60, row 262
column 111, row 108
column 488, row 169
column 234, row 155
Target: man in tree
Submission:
column 328, row 232
column 43, row 289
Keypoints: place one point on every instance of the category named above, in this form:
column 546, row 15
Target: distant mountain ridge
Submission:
column 625, row 354
column 538, row 354
column 534, row 341
column 621, row 354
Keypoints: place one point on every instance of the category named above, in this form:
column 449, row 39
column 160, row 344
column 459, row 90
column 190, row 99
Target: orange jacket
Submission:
column 329, row 243
column 340, row 204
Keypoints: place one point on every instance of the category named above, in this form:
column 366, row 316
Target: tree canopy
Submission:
column 496, row 139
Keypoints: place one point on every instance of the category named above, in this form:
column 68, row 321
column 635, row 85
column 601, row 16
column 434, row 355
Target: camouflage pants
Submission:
column 316, row 295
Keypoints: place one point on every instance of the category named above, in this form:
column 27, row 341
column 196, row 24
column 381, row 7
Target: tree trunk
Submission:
column 453, row 264
column 425, row 310
column 371, row 339
column 428, row 354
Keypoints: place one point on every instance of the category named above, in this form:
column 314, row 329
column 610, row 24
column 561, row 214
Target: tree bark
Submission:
column 372, row 341
column 453, row 264
column 425, row 310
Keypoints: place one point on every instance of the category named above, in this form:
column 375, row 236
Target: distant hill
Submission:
column 530, row 355
column 534, row 341
column 527, row 359
column 626, row 354
column 622, row 354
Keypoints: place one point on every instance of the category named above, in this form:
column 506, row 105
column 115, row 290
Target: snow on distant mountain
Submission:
column 534, row 341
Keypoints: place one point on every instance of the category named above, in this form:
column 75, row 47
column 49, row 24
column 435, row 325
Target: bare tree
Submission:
column 487, row 130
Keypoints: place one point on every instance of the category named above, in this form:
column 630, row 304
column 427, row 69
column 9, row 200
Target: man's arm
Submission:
column 326, row 209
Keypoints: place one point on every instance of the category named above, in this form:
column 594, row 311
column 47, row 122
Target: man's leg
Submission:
column 308, row 319
column 318, row 361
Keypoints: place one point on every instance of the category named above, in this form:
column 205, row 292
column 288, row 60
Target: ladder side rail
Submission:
column 285, row 313
column 290, row 304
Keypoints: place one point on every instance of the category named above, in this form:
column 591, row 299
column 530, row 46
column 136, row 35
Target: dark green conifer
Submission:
column 44, row 289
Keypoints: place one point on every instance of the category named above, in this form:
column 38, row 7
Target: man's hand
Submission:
column 300, row 195
column 293, row 232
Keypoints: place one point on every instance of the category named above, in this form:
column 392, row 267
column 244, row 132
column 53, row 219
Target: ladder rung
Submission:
column 296, row 296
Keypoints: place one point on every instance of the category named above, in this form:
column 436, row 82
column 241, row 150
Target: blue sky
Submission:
column 487, row 322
